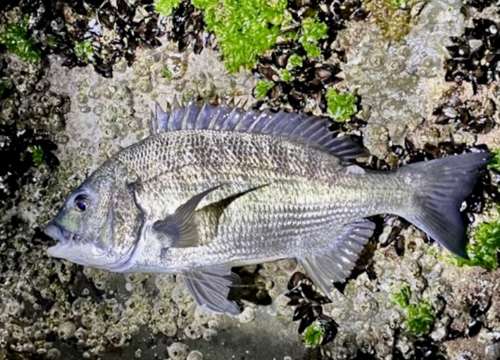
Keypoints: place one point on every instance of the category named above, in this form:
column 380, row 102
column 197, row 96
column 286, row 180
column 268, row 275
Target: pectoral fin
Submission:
column 180, row 227
column 338, row 261
column 210, row 288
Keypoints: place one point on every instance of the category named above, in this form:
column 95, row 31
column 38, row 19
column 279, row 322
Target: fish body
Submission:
column 213, row 188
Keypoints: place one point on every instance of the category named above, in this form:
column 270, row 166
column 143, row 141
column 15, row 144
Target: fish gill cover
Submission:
column 95, row 314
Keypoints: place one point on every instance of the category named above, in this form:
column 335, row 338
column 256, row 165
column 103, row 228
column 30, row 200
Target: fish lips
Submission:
column 57, row 233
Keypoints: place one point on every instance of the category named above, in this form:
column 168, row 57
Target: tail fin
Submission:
column 441, row 186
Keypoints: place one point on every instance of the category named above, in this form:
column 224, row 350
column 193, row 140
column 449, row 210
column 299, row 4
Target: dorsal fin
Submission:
column 302, row 128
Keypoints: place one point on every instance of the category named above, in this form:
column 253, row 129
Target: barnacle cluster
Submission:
column 400, row 80
column 30, row 111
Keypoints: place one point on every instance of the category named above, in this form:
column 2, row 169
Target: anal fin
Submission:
column 210, row 288
column 337, row 262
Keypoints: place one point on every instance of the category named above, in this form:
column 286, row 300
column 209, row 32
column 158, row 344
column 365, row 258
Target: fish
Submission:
column 217, row 187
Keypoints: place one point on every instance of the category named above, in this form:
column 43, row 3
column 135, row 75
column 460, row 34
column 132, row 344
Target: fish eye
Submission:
column 81, row 203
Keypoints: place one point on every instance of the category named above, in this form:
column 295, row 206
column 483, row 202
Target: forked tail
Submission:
column 440, row 187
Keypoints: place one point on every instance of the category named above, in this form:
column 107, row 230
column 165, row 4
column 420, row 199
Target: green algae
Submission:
column 245, row 29
column 262, row 88
column 16, row 40
column 2, row 90
column 419, row 317
column 166, row 7
column 294, row 61
column 167, row 74
column 37, row 154
column 313, row 335
column 312, row 31
column 84, row 50
column 401, row 297
column 495, row 162
column 341, row 106
column 482, row 249
column 398, row 4
column 286, row 75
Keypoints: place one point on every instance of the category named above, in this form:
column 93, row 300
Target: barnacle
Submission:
column 177, row 351
column 195, row 355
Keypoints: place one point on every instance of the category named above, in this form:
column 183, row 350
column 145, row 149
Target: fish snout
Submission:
column 56, row 233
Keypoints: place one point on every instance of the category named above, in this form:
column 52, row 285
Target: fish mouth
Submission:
column 69, row 247
column 59, row 234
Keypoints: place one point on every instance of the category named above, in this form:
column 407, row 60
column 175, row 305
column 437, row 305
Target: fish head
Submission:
column 89, row 228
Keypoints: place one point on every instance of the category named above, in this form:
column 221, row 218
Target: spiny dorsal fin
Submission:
column 302, row 128
column 336, row 263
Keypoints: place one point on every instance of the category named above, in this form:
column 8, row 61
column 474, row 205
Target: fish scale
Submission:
column 215, row 187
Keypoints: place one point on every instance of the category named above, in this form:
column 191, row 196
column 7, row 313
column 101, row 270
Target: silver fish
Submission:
column 213, row 188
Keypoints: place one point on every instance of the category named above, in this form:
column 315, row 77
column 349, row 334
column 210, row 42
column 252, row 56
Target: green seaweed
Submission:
column 166, row 7
column 482, row 249
column 341, row 106
column 245, row 29
column 495, row 162
column 51, row 41
column 37, row 154
column 84, row 50
column 286, row 75
column 402, row 296
column 312, row 31
column 419, row 317
column 16, row 40
column 398, row 4
column 167, row 74
column 313, row 335
column 294, row 61
column 262, row 88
